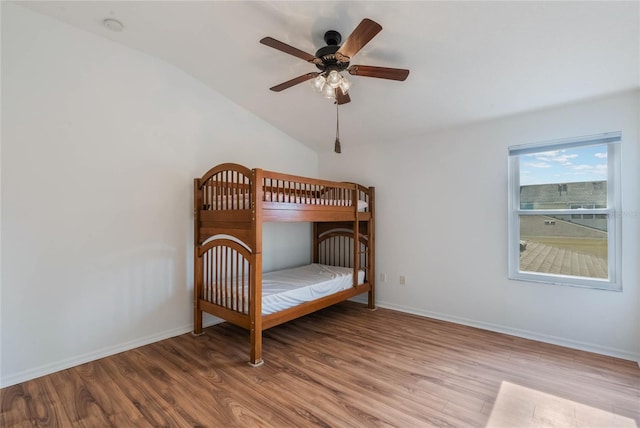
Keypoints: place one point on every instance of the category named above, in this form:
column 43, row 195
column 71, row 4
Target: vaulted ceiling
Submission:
column 469, row 61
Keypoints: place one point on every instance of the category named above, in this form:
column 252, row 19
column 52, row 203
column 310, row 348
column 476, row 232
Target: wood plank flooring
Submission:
column 344, row 366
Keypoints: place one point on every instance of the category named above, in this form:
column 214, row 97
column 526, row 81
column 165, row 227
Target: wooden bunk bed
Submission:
column 231, row 203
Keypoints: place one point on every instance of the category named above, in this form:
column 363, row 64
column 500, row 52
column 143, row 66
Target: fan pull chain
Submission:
column 337, row 147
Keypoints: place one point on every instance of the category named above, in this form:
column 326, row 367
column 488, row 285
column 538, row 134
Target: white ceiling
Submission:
column 469, row 61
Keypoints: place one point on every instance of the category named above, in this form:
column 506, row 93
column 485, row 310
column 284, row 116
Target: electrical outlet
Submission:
column 383, row 277
column 403, row 280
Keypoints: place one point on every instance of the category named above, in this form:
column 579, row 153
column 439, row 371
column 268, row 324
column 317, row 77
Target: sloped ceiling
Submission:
column 469, row 61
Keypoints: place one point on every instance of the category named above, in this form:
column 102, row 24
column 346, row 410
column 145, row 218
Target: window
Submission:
column 563, row 203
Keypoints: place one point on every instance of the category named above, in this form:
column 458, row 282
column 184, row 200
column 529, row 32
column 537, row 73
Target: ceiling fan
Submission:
column 335, row 58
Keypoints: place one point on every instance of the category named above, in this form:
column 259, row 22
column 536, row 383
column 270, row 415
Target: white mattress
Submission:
column 290, row 287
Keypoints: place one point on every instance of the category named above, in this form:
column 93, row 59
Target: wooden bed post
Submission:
column 371, row 254
column 197, row 266
column 356, row 235
column 255, row 306
column 255, row 327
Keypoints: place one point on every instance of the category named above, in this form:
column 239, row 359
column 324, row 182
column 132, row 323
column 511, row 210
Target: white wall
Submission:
column 442, row 222
column 100, row 145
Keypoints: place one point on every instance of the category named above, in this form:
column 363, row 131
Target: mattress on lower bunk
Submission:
column 286, row 288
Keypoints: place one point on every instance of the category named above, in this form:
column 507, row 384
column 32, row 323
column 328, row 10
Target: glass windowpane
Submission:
column 562, row 245
column 574, row 178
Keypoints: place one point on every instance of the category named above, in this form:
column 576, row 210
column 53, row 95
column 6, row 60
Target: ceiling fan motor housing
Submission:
column 327, row 53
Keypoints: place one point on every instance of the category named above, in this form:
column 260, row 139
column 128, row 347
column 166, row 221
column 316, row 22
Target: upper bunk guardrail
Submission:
column 286, row 188
column 230, row 187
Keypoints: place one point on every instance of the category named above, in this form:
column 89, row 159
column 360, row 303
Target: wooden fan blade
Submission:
column 293, row 82
column 364, row 32
column 276, row 44
column 379, row 72
column 341, row 97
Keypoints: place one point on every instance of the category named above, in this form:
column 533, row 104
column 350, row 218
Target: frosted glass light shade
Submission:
column 333, row 79
column 318, row 83
column 345, row 85
column 328, row 91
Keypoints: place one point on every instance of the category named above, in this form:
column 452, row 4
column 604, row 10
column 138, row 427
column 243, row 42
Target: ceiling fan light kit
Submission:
column 327, row 85
column 334, row 58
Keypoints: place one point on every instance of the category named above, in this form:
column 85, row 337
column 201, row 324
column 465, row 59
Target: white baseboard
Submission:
column 46, row 369
column 554, row 340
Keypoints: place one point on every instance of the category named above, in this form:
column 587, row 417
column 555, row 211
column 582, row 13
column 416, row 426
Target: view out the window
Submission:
column 562, row 208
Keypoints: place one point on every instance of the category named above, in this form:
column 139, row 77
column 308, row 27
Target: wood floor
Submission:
column 344, row 366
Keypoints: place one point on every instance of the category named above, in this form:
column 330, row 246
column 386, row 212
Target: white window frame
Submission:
column 613, row 282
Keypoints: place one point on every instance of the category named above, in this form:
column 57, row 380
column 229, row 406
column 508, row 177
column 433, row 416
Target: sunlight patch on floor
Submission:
column 519, row 406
